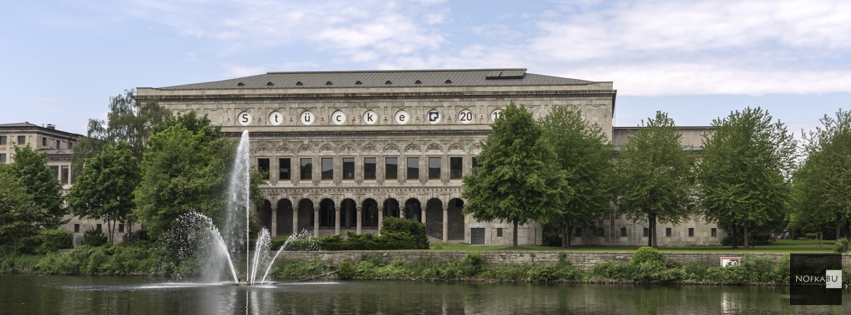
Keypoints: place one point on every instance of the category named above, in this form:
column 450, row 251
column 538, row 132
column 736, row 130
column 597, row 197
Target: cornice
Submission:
column 356, row 133
column 370, row 96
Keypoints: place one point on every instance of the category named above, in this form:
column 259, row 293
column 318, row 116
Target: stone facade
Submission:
column 423, row 117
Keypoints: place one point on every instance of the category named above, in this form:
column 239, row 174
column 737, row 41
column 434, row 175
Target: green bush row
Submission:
column 396, row 233
column 117, row 260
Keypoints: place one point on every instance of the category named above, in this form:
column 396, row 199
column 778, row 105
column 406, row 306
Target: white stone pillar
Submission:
column 380, row 219
column 445, row 223
column 315, row 221
column 274, row 223
column 423, row 216
column 337, row 220
column 295, row 220
column 359, row 219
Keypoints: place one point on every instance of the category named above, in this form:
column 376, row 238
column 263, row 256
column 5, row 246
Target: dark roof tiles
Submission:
column 400, row 78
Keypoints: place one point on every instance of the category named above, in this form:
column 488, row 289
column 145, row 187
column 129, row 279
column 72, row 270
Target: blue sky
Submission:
column 696, row 60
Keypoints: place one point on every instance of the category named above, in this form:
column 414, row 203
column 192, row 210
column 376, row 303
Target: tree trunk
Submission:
column 650, row 231
column 735, row 237
column 746, row 236
column 838, row 222
column 515, row 232
column 653, row 233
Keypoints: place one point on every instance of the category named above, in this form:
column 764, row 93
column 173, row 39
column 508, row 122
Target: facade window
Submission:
column 391, row 168
column 65, row 172
column 434, row 168
column 3, row 140
column 668, row 232
column 413, row 168
column 99, row 227
column 120, row 228
column 44, row 141
column 369, row 168
column 284, row 169
column 55, row 170
column 690, row 232
column 70, row 144
column 22, row 140
column 348, row 168
column 498, row 232
column 455, row 167
column 76, row 228
column 601, row 232
column 714, row 232
column 327, row 168
column 578, row 232
column 475, row 165
column 646, row 232
column 623, row 232
column 263, row 166
column 57, row 144
column 306, row 168
column 2, row 157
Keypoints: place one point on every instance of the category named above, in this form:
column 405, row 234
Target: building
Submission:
column 59, row 146
column 346, row 148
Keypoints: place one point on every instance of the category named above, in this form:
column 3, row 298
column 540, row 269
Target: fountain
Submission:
column 200, row 237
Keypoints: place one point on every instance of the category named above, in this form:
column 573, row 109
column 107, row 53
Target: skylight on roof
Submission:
column 329, row 83
column 299, row 83
column 418, row 82
column 240, row 84
column 388, row 82
column 358, row 83
column 270, row 84
column 448, row 81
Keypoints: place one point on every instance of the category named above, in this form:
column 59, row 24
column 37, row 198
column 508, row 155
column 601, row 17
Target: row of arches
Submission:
column 443, row 220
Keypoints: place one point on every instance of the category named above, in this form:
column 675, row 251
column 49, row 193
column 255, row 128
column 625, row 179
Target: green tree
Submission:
column 18, row 211
column 585, row 153
column 655, row 175
column 105, row 189
column 823, row 182
column 518, row 178
column 31, row 171
column 745, row 170
column 127, row 121
column 186, row 170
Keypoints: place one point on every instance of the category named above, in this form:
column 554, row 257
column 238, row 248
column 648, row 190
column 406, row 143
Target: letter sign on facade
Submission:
column 402, row 117
column 466, row 116
column 433, row 116
column 338, row 118
column 307, row 118
column 276, row 118
column 370, row 117
column 244, row 118
column 496, row 114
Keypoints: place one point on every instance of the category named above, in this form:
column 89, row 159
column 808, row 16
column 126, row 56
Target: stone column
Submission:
column 445, row 222
column 380, row 219
column 337, row 220
column 295, row 220
column 423, row 216
column 359, row 219
column 316, row 221
column 274, row 223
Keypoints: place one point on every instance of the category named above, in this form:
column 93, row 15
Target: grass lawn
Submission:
column 780, row 246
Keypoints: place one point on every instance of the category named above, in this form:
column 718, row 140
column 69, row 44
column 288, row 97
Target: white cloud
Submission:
column 241, row 71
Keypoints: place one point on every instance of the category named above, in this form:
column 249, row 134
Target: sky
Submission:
column 696, row 60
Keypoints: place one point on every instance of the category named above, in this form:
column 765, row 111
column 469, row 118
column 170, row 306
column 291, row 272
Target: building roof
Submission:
column 30, row 126
column 394, row 78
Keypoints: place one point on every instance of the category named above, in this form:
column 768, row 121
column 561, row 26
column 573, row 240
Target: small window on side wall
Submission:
column 714, row 232
column 578, row 232
column 690, row 232
column 498, row 232
column 623, row 232
column 667, row 232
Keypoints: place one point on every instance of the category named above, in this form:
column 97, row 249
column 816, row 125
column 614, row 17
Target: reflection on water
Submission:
column 137, row 295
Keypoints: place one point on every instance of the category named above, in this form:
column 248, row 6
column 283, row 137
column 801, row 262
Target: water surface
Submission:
column 25, row 294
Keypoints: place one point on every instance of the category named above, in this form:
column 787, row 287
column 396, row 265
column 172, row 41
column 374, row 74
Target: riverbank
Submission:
column 514, row 266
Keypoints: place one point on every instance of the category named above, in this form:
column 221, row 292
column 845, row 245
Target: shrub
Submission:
column 94, row 237
column 842, row 245
column 54, row 240
column 647, row 254
column 413, row 228
column 345, row 270
column 472, row 264
column 812, row 236
column 696, row 270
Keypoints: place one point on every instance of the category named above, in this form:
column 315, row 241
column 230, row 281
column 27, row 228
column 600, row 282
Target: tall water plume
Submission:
column 237, row 207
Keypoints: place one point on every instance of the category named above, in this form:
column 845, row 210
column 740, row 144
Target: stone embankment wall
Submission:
column 582, row 260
